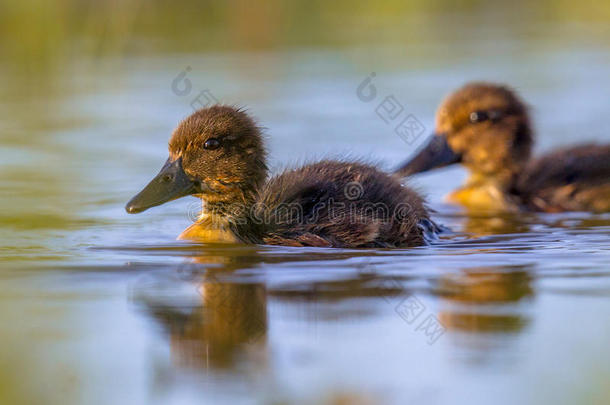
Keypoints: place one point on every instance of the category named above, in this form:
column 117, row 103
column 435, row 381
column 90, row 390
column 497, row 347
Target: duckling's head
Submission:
column 217, row 153
column 485, row 127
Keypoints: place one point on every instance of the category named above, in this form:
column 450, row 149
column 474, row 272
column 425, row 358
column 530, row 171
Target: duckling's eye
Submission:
column 478, row 116
column 211, row 144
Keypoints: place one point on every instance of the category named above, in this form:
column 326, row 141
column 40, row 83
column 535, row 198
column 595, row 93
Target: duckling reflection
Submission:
column 470, row 296
column 486, row 223
column 228, row 323
column 233, row 317
column 505, row 223
column 483, row 225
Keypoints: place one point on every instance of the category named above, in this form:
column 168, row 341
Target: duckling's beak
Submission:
column 171, row 183
column 436, row 153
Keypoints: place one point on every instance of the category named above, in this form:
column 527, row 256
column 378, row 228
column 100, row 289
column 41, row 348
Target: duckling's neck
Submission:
column 222, row 221
column 208, row 228
column 484, row 192
column 494, row 173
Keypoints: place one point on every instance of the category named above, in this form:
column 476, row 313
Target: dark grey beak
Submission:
column 436, row 153
column 171, row 183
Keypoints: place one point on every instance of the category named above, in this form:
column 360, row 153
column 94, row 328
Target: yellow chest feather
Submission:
column 207, row 230
column 482, row 197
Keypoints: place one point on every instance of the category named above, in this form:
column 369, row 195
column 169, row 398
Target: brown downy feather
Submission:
column 341, row 204
column 570, row 179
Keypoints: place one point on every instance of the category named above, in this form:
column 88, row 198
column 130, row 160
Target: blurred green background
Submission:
column 37, row 35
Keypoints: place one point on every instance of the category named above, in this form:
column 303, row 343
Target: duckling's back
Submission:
column 339, row 204
column 571, row 179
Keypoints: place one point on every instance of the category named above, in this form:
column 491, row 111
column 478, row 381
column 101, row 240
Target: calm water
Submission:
column 103, row 307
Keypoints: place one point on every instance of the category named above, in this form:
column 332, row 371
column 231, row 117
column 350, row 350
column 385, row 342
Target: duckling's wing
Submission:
column 289, row 207
column 340, row 204
column 571, row 179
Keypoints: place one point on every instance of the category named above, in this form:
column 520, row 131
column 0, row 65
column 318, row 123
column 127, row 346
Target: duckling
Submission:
column 218, row 155
column 486, row 127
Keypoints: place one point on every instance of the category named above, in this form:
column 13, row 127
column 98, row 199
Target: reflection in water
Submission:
column 231, row 320
column 312, row 298
column 487, row 285
column 475, row 299
column 479, row 223
column 493, row 223
column 227, row 323
column 325, row 307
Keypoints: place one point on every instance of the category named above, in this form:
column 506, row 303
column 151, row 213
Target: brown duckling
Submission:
column 486, row 127
column 218, row 155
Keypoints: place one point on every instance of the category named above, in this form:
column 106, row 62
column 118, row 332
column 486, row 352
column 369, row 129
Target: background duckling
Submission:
column 486, row 127
column 218, row 155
